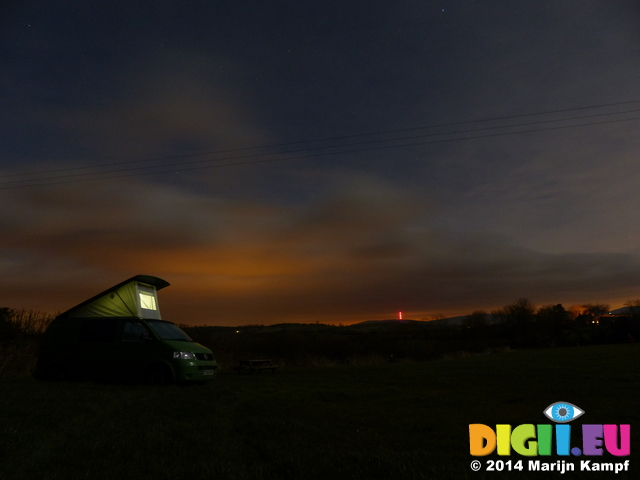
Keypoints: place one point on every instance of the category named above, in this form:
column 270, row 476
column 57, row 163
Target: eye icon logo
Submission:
column 562, row 412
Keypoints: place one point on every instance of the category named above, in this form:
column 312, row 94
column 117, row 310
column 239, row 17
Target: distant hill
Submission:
column 368, row 324
column 440, row 321
column 374, row 322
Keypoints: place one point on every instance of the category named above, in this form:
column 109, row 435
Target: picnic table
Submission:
column 252, row 366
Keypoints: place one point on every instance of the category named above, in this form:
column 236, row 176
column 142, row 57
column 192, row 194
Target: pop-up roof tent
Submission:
column 135, row 297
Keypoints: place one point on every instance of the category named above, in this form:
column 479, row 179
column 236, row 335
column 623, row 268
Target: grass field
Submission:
column 394, row 421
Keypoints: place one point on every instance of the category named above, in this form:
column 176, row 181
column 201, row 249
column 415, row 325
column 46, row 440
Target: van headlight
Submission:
column 184, row 355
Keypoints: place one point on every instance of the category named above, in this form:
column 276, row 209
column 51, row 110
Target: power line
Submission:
column 368, row 142
column 172, row 169
column 285, row 155
column 343, row 137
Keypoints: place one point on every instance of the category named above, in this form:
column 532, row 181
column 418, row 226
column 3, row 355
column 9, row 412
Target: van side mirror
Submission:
column 145, row 337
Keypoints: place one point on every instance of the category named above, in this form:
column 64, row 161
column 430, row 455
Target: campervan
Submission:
column 119, row 335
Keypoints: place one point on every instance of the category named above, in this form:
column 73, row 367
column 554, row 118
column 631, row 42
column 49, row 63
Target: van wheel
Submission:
column 57, row 373
column 157, row 375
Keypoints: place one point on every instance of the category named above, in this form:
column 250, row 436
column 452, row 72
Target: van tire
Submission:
column 157, row 375
column 57, row 373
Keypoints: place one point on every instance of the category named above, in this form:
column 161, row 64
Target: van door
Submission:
column 96, row 343
column 137, row 349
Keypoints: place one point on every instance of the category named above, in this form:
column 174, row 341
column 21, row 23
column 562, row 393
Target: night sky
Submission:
column 334, row 161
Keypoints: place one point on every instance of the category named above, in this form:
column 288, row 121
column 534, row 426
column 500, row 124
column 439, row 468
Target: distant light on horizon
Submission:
column 399, row 315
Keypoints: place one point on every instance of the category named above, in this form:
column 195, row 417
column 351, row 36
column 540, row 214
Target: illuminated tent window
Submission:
column 147, row 301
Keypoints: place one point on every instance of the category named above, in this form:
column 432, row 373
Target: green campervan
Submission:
column 119, row 335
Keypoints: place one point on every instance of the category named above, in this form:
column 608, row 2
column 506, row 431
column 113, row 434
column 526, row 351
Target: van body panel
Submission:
column 108, row 348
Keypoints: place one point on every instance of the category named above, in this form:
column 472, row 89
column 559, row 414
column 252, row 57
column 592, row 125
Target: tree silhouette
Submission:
column 551, row 319
column 519, row 317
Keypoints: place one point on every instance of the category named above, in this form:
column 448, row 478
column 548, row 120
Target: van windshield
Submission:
column 168, row 331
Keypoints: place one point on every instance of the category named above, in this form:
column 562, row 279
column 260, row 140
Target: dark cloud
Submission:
column 357, row 253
